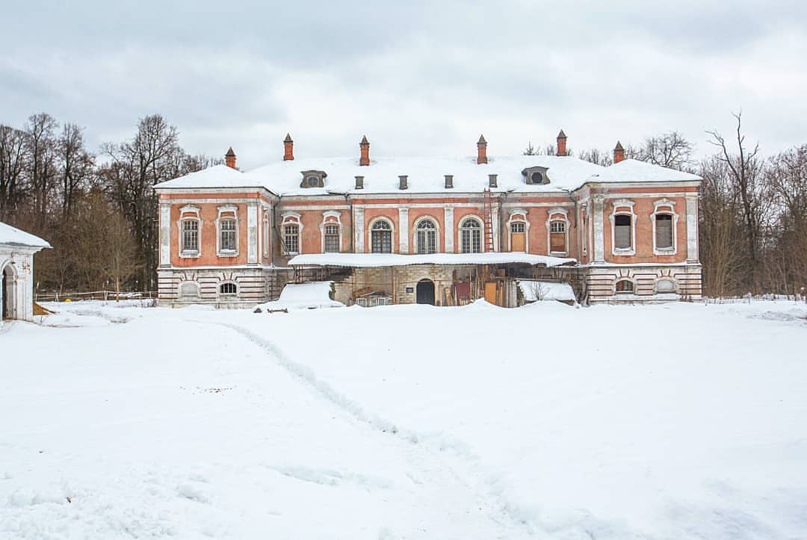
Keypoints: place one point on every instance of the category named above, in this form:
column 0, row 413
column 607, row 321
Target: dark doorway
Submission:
column 425, row 292
column 6, row 288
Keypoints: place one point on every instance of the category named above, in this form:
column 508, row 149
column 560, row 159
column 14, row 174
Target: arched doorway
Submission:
column 425, row 292
column 7, row 294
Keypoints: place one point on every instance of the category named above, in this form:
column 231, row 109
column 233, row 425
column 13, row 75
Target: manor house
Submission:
column 440, row 231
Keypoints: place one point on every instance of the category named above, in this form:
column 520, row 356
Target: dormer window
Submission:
column 536, row 175
column 313, row 179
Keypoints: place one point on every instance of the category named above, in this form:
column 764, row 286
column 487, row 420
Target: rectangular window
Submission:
column 292, row 238
column 190, row 235
column 381, row 241
column 517, row 227
column 471, row 241
column 664, row 231
column 227, row 235
column 331, row 238
column 622, row 232
column 427, row 241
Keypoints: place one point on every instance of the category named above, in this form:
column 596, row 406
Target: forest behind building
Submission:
column 99, row 211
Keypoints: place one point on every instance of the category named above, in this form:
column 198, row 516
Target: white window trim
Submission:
column 665, row 206
column 292, row 218
column 518, row 215
column 391, row 222
column 330, row 217
column 557, row 214
column 437, row 233
column 481, row 232
column 618, row 209
column 189, row 213
column 227, row 209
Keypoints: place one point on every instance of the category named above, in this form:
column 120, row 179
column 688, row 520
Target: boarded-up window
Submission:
column 665, row 286
column 664, row 231
column 623, row 237
column 557, row 237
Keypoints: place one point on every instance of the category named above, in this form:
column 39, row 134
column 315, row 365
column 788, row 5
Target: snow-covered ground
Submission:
column 406, row 422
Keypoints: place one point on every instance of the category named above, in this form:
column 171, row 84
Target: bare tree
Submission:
column 597, row 156
column 744, row 173
column 669, row 150
column 40, row 146
column 12, row 163
column 76, row 165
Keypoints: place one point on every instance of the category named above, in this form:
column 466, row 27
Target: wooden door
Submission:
column 490, row 291
column 518, row 242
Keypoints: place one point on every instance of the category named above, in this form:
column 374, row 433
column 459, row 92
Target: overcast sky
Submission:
column 417, row 77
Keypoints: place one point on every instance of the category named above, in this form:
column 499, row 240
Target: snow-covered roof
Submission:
column 371, row 260
column 15, row 237
column 425, row 175
column 631, row 170
column 303, row 296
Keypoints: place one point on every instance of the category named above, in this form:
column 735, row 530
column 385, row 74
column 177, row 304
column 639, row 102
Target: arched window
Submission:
column 381, row 237
column 426, row 237
column 332, row 238
column 228, row 288
column 471, row 236
column 624, row 286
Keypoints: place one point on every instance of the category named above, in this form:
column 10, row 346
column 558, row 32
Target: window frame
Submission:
column 227, row 213
column 433, row 232
column 473, row 241
column 390, row 230
column 187, row 214
column 557, row 215
column 624, row 279
column 330, row 218
column 518, row 215
column 623, row 207
column 228, row 284
column 289, row 219
column 665, row 207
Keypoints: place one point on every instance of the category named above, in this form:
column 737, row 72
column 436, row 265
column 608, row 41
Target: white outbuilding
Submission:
column 17, row 250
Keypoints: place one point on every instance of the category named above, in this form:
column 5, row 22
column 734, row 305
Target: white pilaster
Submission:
column 252, row 233
column 165, row 234
column 449, row 229
column 359, row 229
column 599, row 234
column 692, row 227
column 403, row 230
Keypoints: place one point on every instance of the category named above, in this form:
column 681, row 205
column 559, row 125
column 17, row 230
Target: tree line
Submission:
column 97, row 210
column 752, row 209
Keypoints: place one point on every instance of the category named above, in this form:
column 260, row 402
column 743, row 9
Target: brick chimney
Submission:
column 561, row 144
column 229, row 158
column 288, row 148
column 449, row 181
column 364, row 146
column 481, row 150
column 619, row 152
column 403, row 182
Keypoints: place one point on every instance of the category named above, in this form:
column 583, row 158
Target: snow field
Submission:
column 674, row 421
